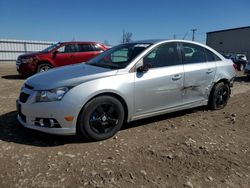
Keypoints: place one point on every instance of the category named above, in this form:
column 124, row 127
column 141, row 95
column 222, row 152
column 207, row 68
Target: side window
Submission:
column 192, row 53
column 85, row 48
column 211, row 56
column 61, row 49
column 68, row 48
column 96, row 47
column 120, row 56
column 164, row 55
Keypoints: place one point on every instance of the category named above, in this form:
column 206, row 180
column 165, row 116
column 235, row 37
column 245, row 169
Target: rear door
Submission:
column 161, row 86
column 86, row 52
column 198, row 73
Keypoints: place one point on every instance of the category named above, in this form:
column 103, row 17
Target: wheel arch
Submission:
column 225, row 81
column 115, row 95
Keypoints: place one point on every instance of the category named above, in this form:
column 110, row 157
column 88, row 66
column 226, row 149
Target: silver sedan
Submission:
column 128, row 82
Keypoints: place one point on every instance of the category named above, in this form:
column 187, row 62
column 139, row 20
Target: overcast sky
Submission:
column 99, row 20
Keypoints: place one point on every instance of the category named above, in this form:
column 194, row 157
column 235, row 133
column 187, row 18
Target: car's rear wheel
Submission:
column 44, row 67
column 240, row 67
column 101, row 118
column 219, row 96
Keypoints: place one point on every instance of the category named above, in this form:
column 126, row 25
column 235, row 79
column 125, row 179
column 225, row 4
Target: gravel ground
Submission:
column 191, row 148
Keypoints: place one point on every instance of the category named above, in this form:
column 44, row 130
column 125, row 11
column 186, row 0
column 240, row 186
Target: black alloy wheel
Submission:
column 101, row 118
column 219, row 96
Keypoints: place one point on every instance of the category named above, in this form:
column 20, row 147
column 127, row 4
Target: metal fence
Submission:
column 11, row 49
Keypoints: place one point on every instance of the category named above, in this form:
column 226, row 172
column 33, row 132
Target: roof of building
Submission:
column 224, row 30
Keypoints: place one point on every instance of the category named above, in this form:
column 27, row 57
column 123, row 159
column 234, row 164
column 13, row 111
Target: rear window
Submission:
column 211, row 56
column 192, row 53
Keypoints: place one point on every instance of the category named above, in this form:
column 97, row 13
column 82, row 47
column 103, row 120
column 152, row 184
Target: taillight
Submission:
column 235, row 66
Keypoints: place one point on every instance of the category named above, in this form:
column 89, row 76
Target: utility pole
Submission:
column 174, row 36
column 193, row 30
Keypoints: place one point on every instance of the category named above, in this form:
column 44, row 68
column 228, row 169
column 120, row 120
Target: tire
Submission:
column 101, row 118
column 44, row 67
column 219, row 96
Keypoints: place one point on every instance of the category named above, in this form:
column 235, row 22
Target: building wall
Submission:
column 230, row 41
column 11, row 49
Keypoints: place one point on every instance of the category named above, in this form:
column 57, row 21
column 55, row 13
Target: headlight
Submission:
column 52, row 95
column 28, row 60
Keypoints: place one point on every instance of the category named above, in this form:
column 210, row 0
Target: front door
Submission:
column 65, row 55
column 161, row 86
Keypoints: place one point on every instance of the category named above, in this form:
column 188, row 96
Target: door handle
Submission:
column 177, row 77
column 209, row 71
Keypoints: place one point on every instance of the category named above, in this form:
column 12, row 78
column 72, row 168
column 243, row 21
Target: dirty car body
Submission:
column 146, row 78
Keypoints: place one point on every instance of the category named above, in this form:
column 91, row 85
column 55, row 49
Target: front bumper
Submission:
column 26, row 68
column 56, row 131
column 29, row 111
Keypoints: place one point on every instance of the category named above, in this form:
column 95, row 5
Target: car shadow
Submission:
column 12, row 131
column 14, row 77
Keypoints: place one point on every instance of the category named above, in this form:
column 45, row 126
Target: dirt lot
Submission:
column 192, row 148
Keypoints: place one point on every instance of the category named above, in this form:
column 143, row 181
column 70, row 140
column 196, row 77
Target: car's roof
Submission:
column 149, row 41
column 154, row 41
column 77, row 42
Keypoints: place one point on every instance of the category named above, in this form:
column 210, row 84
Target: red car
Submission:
column 57, row 55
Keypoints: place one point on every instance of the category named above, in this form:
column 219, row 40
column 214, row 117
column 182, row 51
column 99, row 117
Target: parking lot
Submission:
column 191, row 148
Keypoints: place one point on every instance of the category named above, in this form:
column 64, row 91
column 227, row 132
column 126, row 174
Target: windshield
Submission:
column 119, row 56
column 51, row 47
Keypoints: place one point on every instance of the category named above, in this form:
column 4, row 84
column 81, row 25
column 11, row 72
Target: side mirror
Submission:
column 144, row 68
column 54, row 53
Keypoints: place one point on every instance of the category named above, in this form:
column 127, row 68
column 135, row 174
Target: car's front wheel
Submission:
column 101, row 118
column 219, row 96
column 44, row 67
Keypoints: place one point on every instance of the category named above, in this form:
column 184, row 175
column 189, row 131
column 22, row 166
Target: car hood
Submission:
column 70, row 75
column 31, row 54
